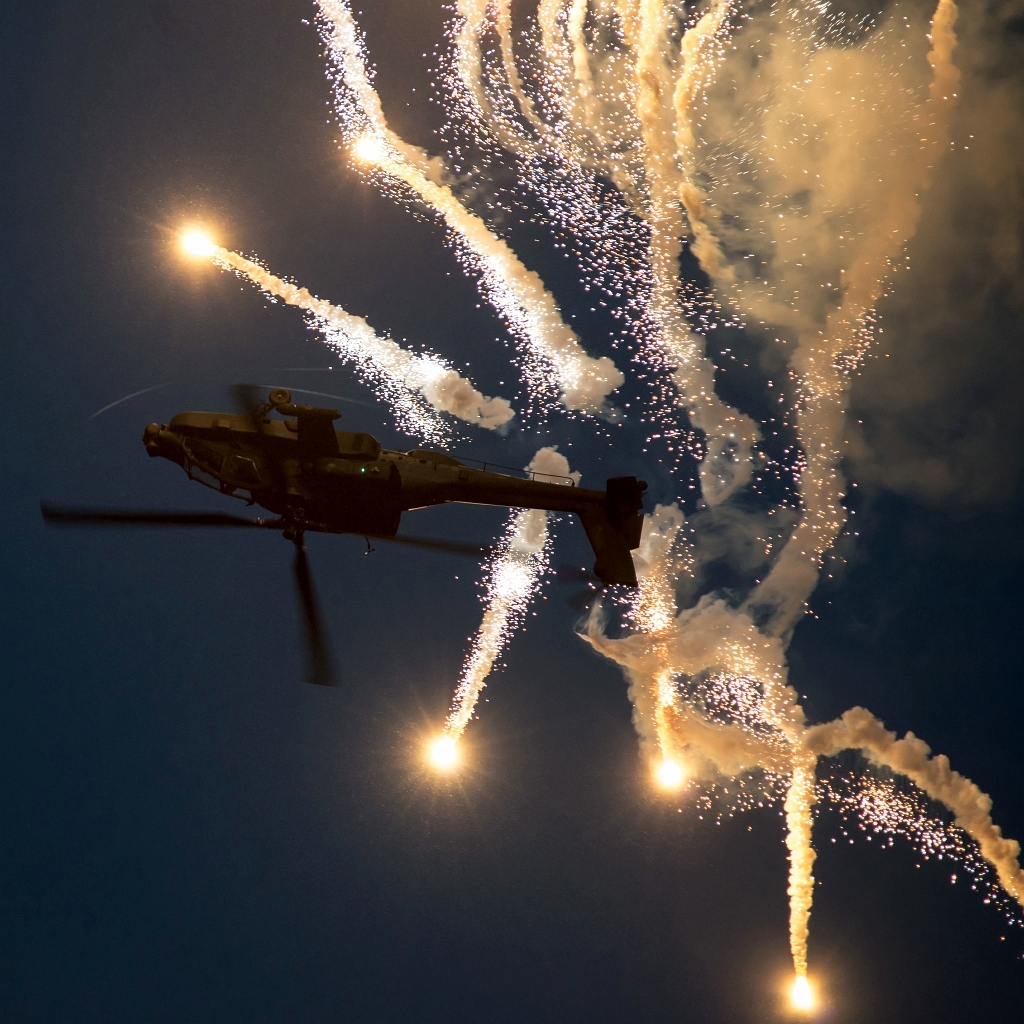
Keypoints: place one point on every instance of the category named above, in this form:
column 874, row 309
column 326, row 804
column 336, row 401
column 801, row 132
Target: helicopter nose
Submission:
column 150, row 439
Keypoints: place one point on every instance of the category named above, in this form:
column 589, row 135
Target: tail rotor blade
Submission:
column 321, row 664
column 567, row 573
column 452, row 547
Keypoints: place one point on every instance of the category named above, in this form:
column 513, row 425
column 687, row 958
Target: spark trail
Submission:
column 512, row 578
column 418, row 386
column 555, row 365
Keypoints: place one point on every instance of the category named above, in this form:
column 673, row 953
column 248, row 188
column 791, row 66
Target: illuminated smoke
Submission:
column 799, row 801
column 416, row 385
column 556, row 367
column 789, row 159
column 730, row 434
column 858, row 729
column 658, row 564
column 652, row 611
column 512, row 578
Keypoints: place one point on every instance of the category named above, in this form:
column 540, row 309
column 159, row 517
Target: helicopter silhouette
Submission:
column 316, row 479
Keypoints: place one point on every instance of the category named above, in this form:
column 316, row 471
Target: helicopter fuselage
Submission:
column 334, row 481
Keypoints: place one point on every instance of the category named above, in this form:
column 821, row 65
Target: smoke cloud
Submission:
column 937, row 414
column 790, row 149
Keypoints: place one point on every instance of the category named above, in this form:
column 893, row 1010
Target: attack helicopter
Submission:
column 316, row 479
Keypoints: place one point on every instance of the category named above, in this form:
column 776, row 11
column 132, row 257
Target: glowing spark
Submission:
column 801, row 995
column 198, row 243
column 670, row 775
column 444, row 753
column 369, row 149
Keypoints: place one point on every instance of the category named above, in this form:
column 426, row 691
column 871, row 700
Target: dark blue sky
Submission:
column 190, row 833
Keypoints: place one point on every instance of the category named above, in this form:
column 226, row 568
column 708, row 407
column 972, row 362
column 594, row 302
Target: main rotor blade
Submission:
column 321, row 664
column 453, row 547
column 248, row 399
column 57, row 515
column 318, row 394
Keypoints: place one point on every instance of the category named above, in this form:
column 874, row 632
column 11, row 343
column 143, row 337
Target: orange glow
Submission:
column 670, row 775
column 369, row 149
column 197, row 243
column 444, row 753
column 801, row 995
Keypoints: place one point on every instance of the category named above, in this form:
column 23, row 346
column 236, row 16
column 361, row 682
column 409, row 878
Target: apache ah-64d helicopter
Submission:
column 318, row 479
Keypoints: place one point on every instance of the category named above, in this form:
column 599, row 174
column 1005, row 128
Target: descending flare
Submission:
column 513, row 577
column 444, row 753
column 369, row 149
column 670, row 775
column 197, row 243
column 801, row 995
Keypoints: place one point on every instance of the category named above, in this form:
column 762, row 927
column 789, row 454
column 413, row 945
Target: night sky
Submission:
column 188, row 831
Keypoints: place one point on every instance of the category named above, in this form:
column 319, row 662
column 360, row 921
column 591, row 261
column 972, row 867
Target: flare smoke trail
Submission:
column 556, row 361
column 513, row 577
column 858, row 729
column 418, row 386
column 789, row 158
column 729, row 433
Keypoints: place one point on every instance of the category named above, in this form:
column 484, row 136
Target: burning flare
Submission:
column 670, row 775
column 444, row 753
column 801, row 995
column 198, row 243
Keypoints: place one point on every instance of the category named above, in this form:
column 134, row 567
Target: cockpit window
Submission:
column 205, row 454
column 241, row 471
column 196, row 472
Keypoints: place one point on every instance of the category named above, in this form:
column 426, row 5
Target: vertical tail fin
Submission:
column 614, row 530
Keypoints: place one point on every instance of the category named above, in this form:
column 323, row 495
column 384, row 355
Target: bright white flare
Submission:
column 444, row 753
column 670, row 775
column 197, row 243
column 369, row 149
column 801, row 995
